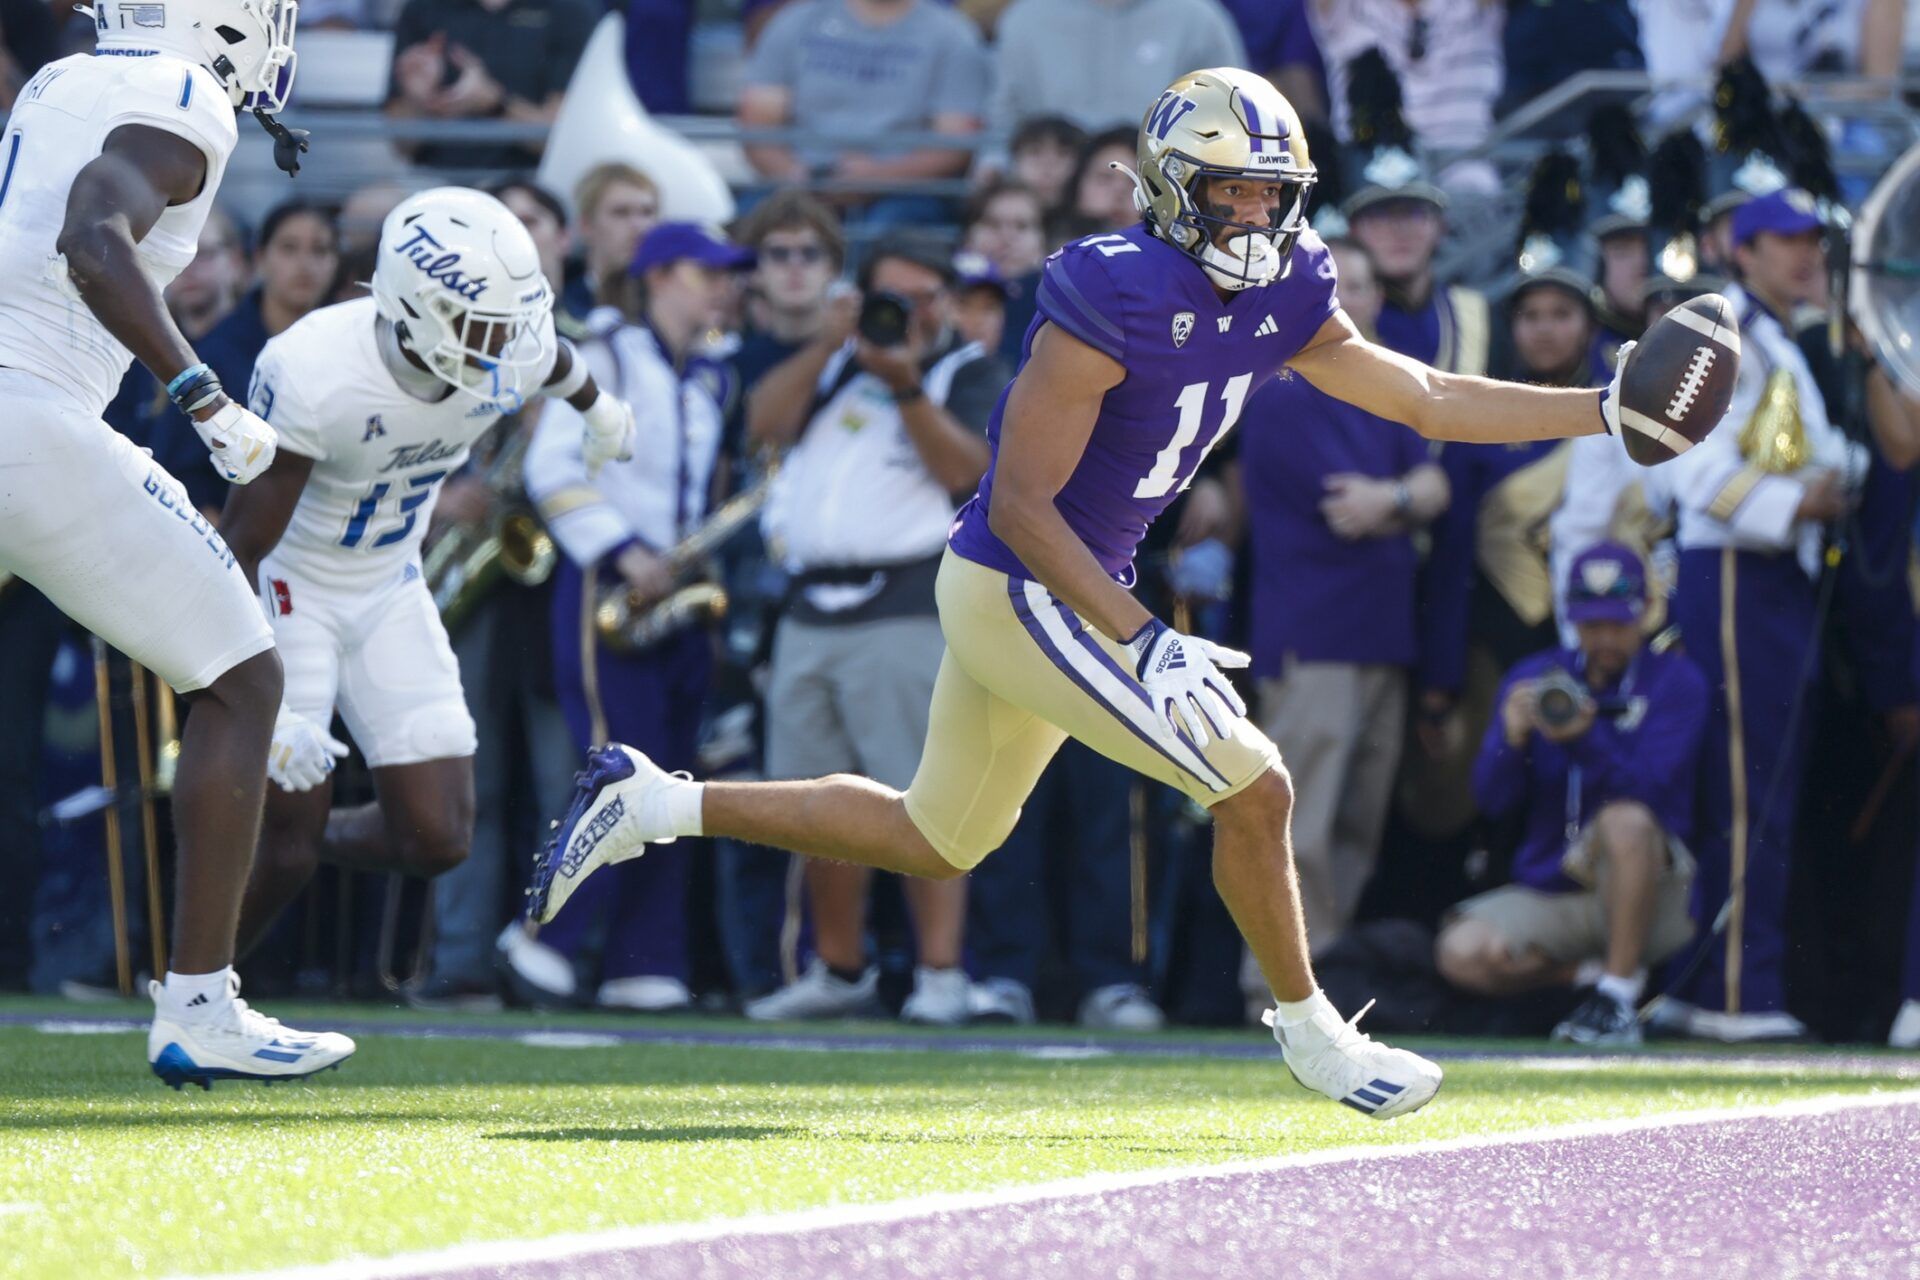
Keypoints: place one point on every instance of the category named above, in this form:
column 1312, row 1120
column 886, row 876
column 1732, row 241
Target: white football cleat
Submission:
column 1329, row 1056
column 619, row 808
column 234, row 1043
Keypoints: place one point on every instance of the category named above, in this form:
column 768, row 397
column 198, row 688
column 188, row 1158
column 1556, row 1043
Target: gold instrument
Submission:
column 464, row 566
column 626, row 626
column 1774, row 439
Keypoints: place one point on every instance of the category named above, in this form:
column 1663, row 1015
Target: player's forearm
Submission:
column 105, row 270
column 1034, row 530
column 1472, row 410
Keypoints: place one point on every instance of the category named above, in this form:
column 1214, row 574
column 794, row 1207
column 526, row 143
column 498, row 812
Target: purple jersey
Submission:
column 1191, row 360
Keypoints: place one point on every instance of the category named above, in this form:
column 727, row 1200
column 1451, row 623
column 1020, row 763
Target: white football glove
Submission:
column 241, row 442
column 1610, row 398
column 609, row 433
column 1181, row 675
column 302, row 754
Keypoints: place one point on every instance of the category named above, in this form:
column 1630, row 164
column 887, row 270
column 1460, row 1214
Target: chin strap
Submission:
column 288, row 144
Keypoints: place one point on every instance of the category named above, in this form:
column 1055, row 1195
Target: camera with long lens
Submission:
column 1560, row 697
column 883, row 318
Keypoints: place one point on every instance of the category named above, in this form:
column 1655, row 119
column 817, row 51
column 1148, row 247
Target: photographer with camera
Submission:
column 1597, row 746
column 885, row 413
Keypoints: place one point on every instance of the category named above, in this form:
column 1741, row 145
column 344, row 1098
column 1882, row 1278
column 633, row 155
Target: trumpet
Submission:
column 625, row 625
column 465, row 565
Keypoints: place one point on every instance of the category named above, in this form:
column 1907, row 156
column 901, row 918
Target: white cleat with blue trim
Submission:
column 234, row 1043
column 1329, row 1056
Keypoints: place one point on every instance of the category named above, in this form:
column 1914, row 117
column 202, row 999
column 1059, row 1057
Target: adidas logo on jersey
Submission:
column 1267, row 328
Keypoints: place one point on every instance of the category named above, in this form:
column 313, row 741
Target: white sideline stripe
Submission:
column 1726, row 335
column 508, row 1252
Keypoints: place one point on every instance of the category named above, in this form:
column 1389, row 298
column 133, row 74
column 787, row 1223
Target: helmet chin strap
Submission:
column 288, row 144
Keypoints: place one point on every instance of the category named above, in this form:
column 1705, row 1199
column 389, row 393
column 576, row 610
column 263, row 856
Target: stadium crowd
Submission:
column 1564, row 734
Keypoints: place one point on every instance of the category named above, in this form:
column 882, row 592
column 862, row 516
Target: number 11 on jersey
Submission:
column 1192, row 401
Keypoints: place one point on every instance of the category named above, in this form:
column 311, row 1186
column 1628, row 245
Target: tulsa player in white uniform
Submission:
column 108, row 168
column 376, row 402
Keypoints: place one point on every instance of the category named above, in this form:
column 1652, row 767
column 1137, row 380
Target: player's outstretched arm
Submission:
column 1049, row 418
column 607, row 434
column 1440, row 406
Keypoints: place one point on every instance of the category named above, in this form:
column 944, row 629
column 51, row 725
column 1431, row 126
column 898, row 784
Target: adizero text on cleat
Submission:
column 619, row 808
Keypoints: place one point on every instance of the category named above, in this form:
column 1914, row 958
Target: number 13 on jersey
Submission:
column 1192, row 403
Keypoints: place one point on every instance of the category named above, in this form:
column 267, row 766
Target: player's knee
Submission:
column 253, row 686
column 1264, row 805
column 436, row 849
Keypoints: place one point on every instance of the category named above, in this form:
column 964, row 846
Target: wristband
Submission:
column 912, row 393
column 194, row 389
column 1402, row 498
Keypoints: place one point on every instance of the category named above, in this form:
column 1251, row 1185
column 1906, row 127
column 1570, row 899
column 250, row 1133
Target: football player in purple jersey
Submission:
column 1146, row 344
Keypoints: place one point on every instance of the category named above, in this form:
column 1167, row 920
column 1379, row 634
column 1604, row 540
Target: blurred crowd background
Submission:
column 1511, row 187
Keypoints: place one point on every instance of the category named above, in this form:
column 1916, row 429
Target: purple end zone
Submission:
column 1828, row 1195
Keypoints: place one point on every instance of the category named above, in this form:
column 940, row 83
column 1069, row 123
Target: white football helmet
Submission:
column 247, row 44
column 1224, row 123
column 459, row 279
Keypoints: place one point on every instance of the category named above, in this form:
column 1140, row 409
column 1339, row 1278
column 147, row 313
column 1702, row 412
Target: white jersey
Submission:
column 59, row 123
column 379, row 453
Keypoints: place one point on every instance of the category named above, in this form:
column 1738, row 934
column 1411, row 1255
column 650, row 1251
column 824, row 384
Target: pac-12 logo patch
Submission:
column 1182, row 328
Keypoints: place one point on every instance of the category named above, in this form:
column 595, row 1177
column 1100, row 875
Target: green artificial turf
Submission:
column 419, row 1143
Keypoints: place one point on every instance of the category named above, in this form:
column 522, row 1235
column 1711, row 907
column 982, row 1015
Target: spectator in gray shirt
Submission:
column 1124, row 52
column 869, row 68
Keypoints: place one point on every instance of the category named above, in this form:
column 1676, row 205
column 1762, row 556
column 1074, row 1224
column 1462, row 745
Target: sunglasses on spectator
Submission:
column 781, row 254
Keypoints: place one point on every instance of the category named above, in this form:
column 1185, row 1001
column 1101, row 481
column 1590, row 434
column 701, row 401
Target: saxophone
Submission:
column 625, row 626
column 464, row 566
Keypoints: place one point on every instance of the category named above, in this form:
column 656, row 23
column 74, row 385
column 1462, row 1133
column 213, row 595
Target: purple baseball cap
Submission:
column 1607, row 583
column 672, row 242
column 1790, row 211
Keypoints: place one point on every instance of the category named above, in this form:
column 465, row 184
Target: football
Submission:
column 1679, row 379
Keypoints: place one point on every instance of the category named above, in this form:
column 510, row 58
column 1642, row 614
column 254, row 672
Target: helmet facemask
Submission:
column 1253, row 254
column 489, row 355
column 256, row 61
